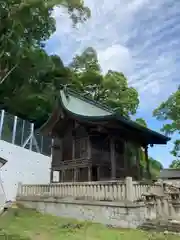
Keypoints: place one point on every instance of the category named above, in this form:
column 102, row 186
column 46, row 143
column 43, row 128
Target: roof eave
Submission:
column 163, row 139
column 155, row 137
column 160, row 139
column 47, row 127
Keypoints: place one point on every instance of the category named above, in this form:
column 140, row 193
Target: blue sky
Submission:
column 140, row 38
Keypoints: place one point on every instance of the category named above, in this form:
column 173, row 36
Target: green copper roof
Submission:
column 86, row 109
column 83, row 106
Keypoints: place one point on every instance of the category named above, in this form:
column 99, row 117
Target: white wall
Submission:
column 2, row 196
column 23, row 166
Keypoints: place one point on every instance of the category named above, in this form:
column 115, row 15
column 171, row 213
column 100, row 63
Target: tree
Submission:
column 141, row 122
column 170, row 110
column 29, row 78
column 33, row 94
column 111, row 88
column 154, row 165
column 29, row 23
column 175, row 164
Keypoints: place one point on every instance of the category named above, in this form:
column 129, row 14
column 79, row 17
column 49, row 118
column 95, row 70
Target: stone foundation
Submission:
column 161, row 226
column 116, row 214
column 120, row 204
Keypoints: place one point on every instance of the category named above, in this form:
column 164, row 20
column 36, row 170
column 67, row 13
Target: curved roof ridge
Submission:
column 111, row 114
column 81, row 96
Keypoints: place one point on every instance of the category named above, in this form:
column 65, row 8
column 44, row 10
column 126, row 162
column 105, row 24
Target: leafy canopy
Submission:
column 154, row 165
column 25, row 67
column 25, row 25
column 175, row 164
column 170, row 110
column 111, row 88
column 141, row 122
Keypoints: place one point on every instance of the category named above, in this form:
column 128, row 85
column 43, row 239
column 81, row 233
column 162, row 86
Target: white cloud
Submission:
column 120, row 53
column 138, row 37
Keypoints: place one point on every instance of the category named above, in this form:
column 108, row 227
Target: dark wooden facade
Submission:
column 83, row 154
column 88, row 148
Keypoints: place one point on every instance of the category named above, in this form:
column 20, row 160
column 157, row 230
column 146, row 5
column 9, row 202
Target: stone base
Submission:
column 161, row 226
column 116, row 214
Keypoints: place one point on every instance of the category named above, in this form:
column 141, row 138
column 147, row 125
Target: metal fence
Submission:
column 21, row 132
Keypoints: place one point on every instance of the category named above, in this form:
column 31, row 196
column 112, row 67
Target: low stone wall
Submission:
column 117, row 214
column 126, row 204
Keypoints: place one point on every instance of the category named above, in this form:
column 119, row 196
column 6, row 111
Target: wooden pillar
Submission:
column 73, row 148
column 98, row 173
column 89, row 148
column 138, row 164
column 60, row 173
column 51, row 176
column 125, row 158
column 61, row 149
column 147, row 162
column 89, row 174
column 113, row 158
column 63, row 176
column 76, row 174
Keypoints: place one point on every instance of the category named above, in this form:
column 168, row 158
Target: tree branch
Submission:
column 7, row 74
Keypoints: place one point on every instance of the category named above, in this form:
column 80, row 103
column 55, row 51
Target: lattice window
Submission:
column 81, row 148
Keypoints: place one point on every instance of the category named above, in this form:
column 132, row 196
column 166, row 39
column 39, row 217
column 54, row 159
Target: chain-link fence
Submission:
column 21, row 132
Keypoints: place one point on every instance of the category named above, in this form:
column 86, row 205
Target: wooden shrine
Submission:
column 93, row 143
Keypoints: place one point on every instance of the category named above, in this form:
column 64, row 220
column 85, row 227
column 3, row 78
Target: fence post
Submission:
column 129, row 189
column 161, row 184
column 19, row 189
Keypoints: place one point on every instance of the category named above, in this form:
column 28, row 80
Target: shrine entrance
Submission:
column 94, row 173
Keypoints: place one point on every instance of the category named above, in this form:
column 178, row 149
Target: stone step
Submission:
column 161, row 226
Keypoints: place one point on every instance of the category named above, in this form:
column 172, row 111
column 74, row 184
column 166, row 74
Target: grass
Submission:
column 28, row 224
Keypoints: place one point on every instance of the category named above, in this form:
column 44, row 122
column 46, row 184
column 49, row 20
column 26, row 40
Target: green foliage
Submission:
column 141, row 121
column 39, row 79
column 170, row 110
column 32, row 93
column 175, row 164
column 176, row 149
column 111, row 88
column 154, row 165
column 29, row 78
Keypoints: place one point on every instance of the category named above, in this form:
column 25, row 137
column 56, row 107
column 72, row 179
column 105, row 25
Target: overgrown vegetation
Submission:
column 30, row 225
column 170, row 111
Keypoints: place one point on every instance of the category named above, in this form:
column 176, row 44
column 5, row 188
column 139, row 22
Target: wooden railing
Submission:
column 96, row 191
